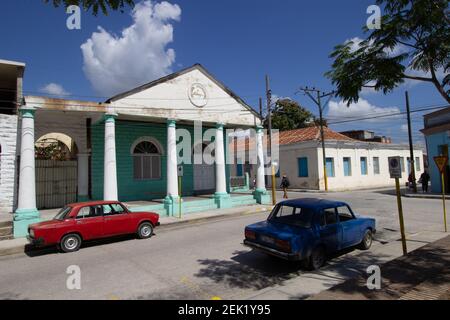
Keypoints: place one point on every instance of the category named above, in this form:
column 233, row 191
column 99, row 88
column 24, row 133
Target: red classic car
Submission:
column 79, row 222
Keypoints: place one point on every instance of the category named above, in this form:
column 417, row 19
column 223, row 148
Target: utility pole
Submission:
column 318, row 101
column 269, row 118
column 260, row 108
column 411, row 147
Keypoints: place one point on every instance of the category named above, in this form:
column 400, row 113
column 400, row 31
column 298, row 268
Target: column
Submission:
column 26, row 212
column 110, row 166
column 172, row 169
column 221, row 196
column 260, row 193
column 83, row 177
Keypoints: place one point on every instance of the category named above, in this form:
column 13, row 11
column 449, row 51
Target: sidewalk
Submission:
column 423, row 274
column 14, row 246
column 421, row 195
column 305, row 284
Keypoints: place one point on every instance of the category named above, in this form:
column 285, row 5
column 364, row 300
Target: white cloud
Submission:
column 54, row 89
column 404, row 128
column 114, row 64
column 355, row 43
column 338, row 111
column 276, row 97
column 398, row 49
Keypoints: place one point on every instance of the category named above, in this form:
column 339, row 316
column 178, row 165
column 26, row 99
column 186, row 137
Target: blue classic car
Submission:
column 310, row 229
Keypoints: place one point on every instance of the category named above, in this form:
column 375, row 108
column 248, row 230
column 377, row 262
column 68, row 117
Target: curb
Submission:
column 167, row 225
column 215, row 217
column 12, row 250
column 431, row 197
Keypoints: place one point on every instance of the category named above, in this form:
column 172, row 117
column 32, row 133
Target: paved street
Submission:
column 206, row 259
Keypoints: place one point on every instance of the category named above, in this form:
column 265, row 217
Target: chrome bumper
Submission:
column 273, row 252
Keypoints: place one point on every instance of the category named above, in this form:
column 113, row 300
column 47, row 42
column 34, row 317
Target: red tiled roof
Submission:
column 308, row 134
column 295, row 136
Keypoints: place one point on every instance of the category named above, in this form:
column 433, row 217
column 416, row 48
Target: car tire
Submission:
column 70, row 243
column 145, row 230
column 367, row 240
column 317, row 258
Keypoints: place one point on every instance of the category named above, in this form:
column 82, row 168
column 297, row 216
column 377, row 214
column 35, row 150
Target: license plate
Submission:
column 267, row 239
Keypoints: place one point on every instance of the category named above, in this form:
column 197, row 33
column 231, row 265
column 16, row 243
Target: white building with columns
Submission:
column 130, row 148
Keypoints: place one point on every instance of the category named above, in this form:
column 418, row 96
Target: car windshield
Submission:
column 292, row 215
column 61, row 215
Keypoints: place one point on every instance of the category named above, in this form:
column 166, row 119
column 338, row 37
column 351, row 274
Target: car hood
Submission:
column 275, row 229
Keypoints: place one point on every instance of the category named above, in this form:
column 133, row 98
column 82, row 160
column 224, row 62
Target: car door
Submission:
column 89, row 222
column 117, row 220
column 351, row 234
column 330, row 230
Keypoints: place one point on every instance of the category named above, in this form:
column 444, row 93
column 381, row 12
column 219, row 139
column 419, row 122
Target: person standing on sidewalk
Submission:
column 424, row 179
column 284, row 185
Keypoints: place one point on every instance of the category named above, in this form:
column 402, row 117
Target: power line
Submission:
column 106, row 97
column 382, row 113
column 140, row 108
column 389, row 115
column 130, row 107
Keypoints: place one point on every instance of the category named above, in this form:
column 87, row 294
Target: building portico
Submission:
column 133, row 146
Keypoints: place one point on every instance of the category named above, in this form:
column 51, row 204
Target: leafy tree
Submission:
column 413, row 43
column 288, row 115
column 95, row 5
column 52, row 151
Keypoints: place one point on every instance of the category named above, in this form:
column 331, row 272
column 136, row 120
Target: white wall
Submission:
column 357, row 180
column 170, row 100
column 315, row 180
column 8, row 141
column 71, row 124
column 289, row 165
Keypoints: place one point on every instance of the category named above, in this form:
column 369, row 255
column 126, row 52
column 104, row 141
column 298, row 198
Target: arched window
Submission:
column 146, row 161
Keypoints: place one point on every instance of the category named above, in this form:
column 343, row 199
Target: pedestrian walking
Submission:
column 410, row 181
column 424, row 179
column 284, row 185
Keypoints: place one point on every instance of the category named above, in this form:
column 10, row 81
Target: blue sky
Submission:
column 237, row 41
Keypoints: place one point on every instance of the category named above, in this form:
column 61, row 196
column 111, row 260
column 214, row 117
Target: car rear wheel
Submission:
column 367, row 240
column 70, row 243
column 145, row 230
column 317, row 258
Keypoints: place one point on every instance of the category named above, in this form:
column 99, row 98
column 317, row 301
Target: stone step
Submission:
column 9, row 237
column 6, row 224
column 197, row 209
column 246, row 203
column 241, row 198
column 6, row 231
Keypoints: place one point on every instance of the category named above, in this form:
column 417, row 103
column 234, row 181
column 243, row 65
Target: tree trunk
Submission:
column 437, row 84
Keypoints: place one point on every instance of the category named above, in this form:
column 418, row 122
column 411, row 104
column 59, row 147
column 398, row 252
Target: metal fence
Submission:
column 56, row 183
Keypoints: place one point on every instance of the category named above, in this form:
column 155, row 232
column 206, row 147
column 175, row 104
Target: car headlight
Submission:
column 32, row 233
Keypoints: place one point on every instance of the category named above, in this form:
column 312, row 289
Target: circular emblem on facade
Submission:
column 197, row 95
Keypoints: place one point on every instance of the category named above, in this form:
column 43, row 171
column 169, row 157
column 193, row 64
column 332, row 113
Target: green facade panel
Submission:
column 130, row 189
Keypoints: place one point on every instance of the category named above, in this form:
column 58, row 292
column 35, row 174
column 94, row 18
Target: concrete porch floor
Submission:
column 132, row 204
column 191, row 204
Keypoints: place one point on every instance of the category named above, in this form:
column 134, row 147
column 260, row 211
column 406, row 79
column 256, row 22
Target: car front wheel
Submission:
column 317, row 258
column 70, row 243
column 145, row 230
column 366, row 242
